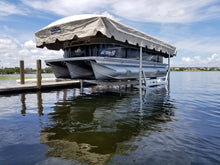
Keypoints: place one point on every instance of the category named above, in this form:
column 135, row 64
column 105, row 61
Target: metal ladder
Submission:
column 143, row 79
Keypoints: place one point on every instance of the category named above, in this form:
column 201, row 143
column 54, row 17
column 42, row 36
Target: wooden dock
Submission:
column 38, row 84
column 33, row 87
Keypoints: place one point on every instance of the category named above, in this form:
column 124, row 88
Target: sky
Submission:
column 191, row 26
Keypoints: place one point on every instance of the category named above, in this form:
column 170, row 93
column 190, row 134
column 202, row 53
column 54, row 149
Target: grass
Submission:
column 14, row 77
column 17, row 77
column 8, row 78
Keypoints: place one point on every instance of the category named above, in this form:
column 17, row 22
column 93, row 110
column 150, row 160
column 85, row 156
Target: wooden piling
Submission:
column 39, row 74
column 22, row 72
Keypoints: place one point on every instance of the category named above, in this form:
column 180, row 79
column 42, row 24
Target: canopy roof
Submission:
column 81, row 27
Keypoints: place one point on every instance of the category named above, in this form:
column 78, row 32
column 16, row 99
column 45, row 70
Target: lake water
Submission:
column 114, row 126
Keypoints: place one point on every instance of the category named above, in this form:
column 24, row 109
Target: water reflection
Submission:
column 93, row 127
column 23, row 105
column 39, row 103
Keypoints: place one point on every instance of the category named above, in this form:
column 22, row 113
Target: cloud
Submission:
column 197, row 51
column 30, row 44
column 12, row 51
column 198, row 61
column 172, row 11
column 70, row 7
column 7, row 9
column 199, row 45
column 190, row 44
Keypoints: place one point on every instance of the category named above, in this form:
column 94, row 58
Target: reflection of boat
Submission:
column 96, row 47
column 96, row 123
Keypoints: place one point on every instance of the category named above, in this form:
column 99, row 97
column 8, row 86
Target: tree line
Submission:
column 16, row 70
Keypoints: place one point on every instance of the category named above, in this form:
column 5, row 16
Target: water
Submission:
column 113, row 126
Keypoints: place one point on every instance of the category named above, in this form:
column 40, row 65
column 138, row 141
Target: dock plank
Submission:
column 33, row 87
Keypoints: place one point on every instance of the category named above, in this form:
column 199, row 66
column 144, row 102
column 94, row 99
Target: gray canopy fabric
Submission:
column 82, row 26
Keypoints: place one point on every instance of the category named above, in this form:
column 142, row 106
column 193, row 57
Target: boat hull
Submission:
column 104, row 68
column 59, row 68
column 80, row 70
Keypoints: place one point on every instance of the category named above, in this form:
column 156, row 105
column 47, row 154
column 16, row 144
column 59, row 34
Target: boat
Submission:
column 99, row 48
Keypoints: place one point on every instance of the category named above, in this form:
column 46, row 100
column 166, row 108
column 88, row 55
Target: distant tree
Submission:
column 47, row 70
column 16, row 70
column 9, row 70
column 29, row 70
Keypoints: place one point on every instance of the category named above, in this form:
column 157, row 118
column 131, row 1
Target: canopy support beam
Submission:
column 140, row 70
column 169, row 72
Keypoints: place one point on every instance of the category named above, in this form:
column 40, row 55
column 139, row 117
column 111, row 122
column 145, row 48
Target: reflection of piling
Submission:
column 22, row 72
column 39, row 74
column 64, row 94
column 39, row 103
column 74, row 92
column 81, row 86
column 23, row 111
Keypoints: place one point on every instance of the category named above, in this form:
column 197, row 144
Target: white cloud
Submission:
column 29, row 44
column 198, row 61
column 7, row 8
column 107, row 14
column 67, row 8
column 197, row 51
column 12, row 51
column 186, row 59
column 6, row 44
column 172, row 11
column 199, row 45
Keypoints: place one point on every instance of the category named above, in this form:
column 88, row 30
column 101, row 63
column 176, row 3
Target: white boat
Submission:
column 99, row 48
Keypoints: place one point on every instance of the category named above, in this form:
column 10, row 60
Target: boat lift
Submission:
column 147, row 82
column 141, row 83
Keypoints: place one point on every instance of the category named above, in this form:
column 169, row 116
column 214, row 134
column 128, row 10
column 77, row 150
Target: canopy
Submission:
column 82, row 26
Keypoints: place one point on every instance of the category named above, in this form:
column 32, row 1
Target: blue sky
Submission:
column 191, row 26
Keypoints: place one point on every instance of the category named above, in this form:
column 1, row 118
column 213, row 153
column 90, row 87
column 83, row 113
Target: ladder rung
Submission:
column 143, row 74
